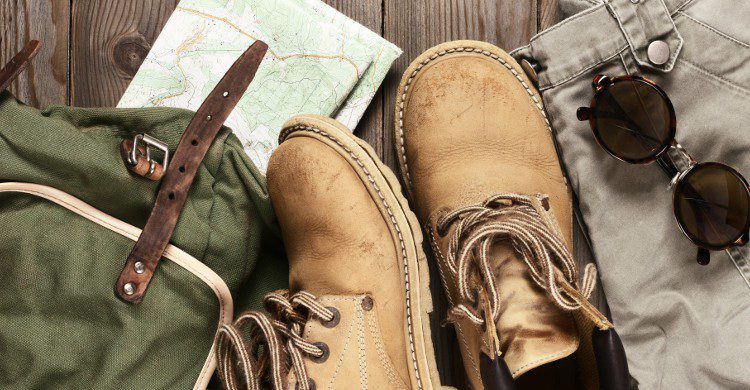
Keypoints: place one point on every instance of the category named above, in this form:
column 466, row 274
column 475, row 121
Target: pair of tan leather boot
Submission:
column 480, row 168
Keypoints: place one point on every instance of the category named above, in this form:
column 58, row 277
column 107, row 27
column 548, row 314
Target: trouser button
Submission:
column 658, row 52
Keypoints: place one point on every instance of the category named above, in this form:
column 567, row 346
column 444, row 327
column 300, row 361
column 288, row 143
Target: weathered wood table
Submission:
column 92, row 49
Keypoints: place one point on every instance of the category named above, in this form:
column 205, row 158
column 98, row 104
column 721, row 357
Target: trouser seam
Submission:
column 714, row 30
column 625, row 65
column 680, row 7
column 742, row 268
column 607, row 58
column 568, row 20
column 729, row 83
column 624, row 30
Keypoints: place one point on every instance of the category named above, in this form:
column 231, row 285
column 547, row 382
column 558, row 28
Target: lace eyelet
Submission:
column 439, row 224
column 311, row 384
column 326, row 353
column 441, row 232
column 544, row 200
column 336, row 318
column 367, row 303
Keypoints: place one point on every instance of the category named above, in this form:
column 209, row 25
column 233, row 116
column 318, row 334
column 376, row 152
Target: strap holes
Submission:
column 171, row 196
column 182, row 169
column 209, row 117
column 225, row 94
column 195, row 142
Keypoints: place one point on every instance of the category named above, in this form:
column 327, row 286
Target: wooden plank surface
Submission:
column 46, row 81
column 548, row 14
column 109, row 41
column 370, row 14
column 92, row 49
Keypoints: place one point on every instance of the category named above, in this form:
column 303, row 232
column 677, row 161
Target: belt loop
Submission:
column 650, row 31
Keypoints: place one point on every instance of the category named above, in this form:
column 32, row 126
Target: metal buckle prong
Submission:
column 148, row 141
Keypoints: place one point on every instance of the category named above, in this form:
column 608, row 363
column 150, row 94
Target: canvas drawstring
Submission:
column 258, row 343
column 529, row 226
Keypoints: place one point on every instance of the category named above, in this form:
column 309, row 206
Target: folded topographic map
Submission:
column 319, row 62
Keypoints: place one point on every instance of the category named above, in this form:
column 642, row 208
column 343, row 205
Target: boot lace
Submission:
column 532, row 232
column 263, row 348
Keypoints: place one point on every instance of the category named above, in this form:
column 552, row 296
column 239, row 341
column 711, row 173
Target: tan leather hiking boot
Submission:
column 477, row 156
column 355, row 316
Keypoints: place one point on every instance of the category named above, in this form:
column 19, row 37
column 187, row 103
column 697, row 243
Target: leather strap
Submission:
column 139, row 268
column 16, row 65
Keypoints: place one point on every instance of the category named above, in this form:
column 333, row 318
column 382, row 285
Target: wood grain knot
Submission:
column 129, row 52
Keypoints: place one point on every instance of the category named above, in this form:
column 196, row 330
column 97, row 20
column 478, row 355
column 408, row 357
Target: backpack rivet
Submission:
column 139, row 268
column 129, row 288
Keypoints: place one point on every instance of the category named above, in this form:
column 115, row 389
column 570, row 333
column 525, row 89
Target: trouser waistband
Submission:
column 609, row 28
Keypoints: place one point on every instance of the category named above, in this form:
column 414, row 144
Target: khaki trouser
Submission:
column 684, row 326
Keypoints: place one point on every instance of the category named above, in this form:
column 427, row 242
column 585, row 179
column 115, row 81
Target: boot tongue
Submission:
column 530, row 327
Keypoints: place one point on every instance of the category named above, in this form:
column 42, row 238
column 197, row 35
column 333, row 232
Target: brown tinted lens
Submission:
column 712, row 204
column 633, row 120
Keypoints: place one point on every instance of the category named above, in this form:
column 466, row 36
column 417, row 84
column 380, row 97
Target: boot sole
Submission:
column 385, row 187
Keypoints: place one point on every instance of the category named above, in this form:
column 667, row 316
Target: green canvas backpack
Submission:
column 70, row 214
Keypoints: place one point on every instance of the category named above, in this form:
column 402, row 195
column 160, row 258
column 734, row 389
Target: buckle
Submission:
column 141, row 147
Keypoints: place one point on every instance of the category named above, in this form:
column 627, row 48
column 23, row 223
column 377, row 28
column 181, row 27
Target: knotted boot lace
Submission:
column 263, row 348
column 533, row 233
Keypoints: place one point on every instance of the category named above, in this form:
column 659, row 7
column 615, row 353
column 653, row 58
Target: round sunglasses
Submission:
column 634, row 121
